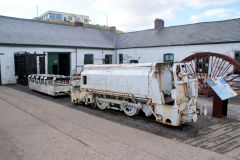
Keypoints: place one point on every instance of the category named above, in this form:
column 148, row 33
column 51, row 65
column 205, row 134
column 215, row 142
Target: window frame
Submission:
column 237, row 58
column 120, row 58
column 85, row 80
column 235, row 55
column 106, row 61
column 202, row 64
column 51, row 16
column 170, row 57
column 86, row 59
column 133, row 61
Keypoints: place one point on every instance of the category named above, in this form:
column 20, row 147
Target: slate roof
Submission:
column 199, row 33
column 32, row 32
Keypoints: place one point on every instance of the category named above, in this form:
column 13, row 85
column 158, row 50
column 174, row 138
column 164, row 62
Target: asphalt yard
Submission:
column 36, row 126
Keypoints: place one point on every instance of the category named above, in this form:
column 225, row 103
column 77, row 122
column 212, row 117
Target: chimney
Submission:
column 158, row 23
column 78, row 23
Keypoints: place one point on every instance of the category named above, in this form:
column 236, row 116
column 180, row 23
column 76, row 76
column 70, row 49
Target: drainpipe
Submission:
column 76, row 56
column 113, row 29
column 46, row 62
column 103, row 59
column 115, row 47
column 1, row 54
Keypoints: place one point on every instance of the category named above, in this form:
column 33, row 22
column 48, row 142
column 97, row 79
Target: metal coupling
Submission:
column 202, row 110
column 189, row 117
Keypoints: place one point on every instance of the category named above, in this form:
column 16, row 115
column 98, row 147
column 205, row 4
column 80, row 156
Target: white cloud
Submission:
column 21, row 3
column 219, row 13
column 127, row 14
column 205, row 3
column 139, row 14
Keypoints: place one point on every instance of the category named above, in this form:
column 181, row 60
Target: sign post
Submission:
column 222, row 92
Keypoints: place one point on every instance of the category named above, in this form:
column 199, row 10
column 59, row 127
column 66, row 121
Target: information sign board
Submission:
column 221, row 88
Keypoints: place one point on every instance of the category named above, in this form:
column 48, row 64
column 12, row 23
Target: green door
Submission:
column 53, row 63
column 59, row 63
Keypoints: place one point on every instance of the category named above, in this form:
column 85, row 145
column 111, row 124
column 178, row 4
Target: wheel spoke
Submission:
column 209, row 65
column 130, row 110
column 101, row 105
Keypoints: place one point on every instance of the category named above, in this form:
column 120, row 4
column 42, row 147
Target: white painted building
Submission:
column 156, row 54
column 181, row 41
column 88, row 45
column 66, row 17
column 76, row 57
column 21, row 35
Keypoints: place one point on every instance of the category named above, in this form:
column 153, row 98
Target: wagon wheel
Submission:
column 208, row 65
column 100, row 104
column 130, row 110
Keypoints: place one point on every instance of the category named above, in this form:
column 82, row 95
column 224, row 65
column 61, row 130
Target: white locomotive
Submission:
column 161, row 89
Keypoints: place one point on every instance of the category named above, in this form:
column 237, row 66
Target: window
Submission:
column 77, row 19
column 84, row 79
column 108, row 59
column 120, row 58
column 58, row 16
column 202, row 64
column 168, row 57
column 55, row 16
column 69, row 18
column 133, row 61
column 65, row 19
column 237, row 57
column 85, row 20
column 51, row 16
column 88, row 59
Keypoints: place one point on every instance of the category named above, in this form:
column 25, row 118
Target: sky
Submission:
column 129, row 15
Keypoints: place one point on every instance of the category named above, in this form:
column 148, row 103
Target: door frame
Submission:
column 1, row 54
column 58, row 53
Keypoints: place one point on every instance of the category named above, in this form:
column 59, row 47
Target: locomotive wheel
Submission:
column 130, row 110
column 101, row 105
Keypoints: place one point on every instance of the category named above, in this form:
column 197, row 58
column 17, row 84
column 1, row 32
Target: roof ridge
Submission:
column 50, row 23
column 219, row 21
column 34, row 20
column 183, row 25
